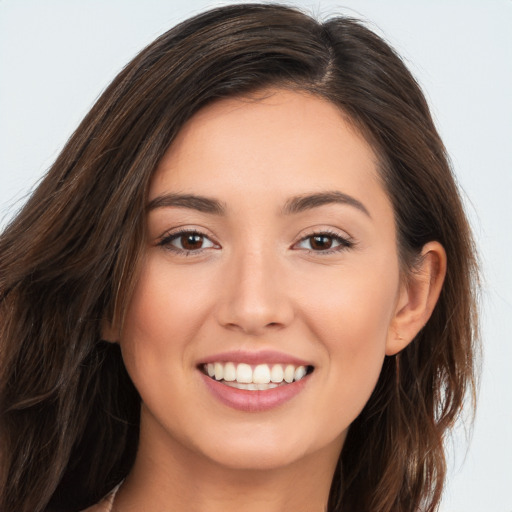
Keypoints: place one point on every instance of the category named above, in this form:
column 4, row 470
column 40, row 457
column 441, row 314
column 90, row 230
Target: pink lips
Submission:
column 261, row 357
column 254, row 401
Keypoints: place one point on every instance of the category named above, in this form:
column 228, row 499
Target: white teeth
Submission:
column 244, row 373
column 289, row 372
column 243, row 376
column 261, row 374
column 251, row 387
column 229, row 372
column 277, row 373
column 219, row 371
column 300, row 372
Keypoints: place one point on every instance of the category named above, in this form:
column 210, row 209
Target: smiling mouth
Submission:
column 255, row 377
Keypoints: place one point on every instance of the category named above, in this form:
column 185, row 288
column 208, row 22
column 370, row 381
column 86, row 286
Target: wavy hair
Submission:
column 69, row 414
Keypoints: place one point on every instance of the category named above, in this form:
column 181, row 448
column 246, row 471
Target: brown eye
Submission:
column 186, row 242
column 191, row 241
column 324, row 243
column 321, row 242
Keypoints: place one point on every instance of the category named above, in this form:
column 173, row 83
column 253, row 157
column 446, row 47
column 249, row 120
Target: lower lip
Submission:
column 254, row 401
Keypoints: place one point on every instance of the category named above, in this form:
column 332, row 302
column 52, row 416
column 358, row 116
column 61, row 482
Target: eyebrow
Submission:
column 292, row 206
column 200, row 203
column 308, row 201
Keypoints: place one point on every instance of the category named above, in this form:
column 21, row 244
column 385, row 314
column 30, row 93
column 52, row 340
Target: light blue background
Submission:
column 57, row 56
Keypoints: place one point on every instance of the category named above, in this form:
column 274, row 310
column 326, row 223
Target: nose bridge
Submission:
column 255, row 269
column 255, row 297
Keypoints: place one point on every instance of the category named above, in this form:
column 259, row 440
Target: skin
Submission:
column 255, row 282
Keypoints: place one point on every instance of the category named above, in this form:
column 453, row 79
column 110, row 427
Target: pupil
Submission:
column 191, row 241
column 321, row 242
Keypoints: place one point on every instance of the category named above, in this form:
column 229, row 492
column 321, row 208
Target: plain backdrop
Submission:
column 56, row 57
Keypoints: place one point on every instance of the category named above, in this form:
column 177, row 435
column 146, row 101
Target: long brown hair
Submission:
column 68, row 411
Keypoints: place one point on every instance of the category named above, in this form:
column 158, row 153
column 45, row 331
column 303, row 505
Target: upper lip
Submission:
column 256, row 357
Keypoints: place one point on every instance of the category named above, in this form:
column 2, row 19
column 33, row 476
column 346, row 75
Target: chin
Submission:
column 268, row 451
column 255, row 459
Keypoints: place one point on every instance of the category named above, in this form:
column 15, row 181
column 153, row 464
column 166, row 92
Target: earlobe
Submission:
column 418, row 297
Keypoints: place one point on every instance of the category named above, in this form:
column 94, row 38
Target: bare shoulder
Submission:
column 102, row 506
column 105, row 505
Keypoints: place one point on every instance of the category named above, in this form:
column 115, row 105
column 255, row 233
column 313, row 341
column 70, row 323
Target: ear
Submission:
column 418, row 297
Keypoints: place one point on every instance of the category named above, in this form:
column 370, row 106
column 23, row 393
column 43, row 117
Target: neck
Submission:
column 167, row 476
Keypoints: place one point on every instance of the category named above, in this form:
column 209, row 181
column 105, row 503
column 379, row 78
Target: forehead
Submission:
column 275, row 144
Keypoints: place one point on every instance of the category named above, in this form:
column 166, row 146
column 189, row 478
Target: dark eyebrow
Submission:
column 200, row 203
column 305, row 202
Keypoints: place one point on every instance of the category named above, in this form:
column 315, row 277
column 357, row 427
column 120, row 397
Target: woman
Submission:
column 247, row 281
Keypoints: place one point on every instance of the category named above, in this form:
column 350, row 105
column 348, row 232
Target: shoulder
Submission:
column 105, row 505
column 102, row 506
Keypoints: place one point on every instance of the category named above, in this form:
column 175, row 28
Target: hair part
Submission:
column 69, row 413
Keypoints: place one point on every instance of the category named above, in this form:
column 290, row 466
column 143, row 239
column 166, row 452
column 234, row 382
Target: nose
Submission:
column 255, row 296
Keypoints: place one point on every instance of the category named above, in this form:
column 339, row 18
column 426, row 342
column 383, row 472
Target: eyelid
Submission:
column 345, row 241
column 165, row 240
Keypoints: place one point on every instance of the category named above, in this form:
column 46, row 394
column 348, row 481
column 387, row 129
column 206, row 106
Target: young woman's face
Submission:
column 271, row 253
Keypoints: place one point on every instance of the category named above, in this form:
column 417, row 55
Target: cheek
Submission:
column 350, row 309
column 165, row 312
column 167, row 303
column 350, row 316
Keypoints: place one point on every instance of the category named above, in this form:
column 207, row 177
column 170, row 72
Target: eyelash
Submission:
column 166, row 242
column 344, row 243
